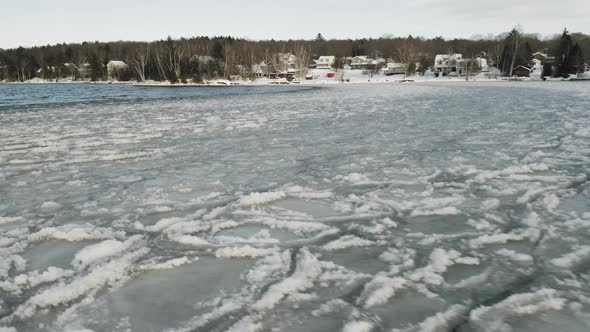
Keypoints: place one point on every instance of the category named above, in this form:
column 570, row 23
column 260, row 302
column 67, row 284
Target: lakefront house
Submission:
column 445, row 64
column 325, row 62
column 115, row 67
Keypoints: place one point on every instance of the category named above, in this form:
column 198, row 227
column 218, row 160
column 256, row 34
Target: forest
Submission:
column 199, row 58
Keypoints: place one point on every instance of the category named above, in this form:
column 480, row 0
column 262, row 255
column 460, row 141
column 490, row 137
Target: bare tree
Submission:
column 470, row 67
column 139, row 63
column 515, row 45
column 303, row 55
column 406, row 55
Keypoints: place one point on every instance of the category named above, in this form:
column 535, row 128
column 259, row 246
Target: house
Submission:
column 360, row 62
column 115, row 68
column 521, row 71
column 286, row 60
column 395, row 68
column 260, row 70
column 70, row 69
column 539, row 56
column 85, row 69
column 325, row 62
column 446, row 63
column 70, row 66
column 470, row 66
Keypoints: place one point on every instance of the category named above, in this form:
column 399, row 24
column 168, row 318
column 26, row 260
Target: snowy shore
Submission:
column 320, row 78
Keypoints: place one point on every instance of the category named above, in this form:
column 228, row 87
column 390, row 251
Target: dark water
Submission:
column 26, row 95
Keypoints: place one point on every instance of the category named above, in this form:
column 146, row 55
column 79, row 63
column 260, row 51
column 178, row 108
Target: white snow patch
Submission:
column 50, row 206
column 490, row 204
column 443, row 321
column 357, row 326
column 170, row 264
column 515, row 256
column 100, row 251
column 261, row 198
column 106, row 275
column 189, row 240
column 446, row 211
column 246, row 324
column 244, row 251
column 347, row 241
column 572, row 258
column 494, row 318
column 379, row 290
column 73, row 232
column 307, row 270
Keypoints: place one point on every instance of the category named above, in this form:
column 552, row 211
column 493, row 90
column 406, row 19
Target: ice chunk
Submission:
column 493, row 318
column 307, row 270
column 571, row 259
column 358, row 326
column 244, row 251
column 347, row 241
column 50, row 206
column 261, row 198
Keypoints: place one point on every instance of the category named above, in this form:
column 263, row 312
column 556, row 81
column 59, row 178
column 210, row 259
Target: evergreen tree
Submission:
column 562, row 56
column 509, row 52
column 95, row 68
column 218, row 51
column 338, row 63
column 319, row 38
column 360, row 47
column 576, row 60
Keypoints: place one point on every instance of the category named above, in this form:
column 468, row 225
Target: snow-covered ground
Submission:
column 390, row 207
column 321, row 77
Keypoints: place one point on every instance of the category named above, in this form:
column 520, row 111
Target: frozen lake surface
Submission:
column 420, row 207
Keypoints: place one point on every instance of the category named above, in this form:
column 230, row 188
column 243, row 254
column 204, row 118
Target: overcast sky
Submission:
column 39, row 22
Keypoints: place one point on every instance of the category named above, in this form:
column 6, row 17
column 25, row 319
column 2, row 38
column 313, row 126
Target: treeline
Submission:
column 565, row 54
column 202, row 58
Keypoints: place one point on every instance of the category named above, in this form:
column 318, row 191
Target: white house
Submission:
column 325, row 62
column 446, row 63
column 360, row 62
column 260, row 69
column 114, row 67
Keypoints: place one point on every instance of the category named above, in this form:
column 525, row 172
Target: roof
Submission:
column 117, row 63
column 527, row 68
column 449, row 56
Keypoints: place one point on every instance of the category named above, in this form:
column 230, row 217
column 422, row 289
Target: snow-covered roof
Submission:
column 527, row 68
column 326, row 59
column 539, row 53
column 448, row 56
column 116, row 63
